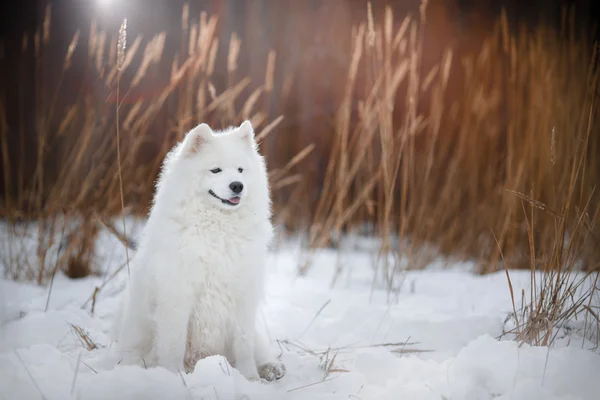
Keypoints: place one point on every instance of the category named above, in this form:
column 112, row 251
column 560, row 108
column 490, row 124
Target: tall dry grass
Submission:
column 432, row 155
column 564, row 296
column 502, row 171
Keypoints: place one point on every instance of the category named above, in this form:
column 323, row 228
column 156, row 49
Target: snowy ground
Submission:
column 436, row 340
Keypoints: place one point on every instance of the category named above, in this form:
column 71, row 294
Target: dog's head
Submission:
column 224, row 169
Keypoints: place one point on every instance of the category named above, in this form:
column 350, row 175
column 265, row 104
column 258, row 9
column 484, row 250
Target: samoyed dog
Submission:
column 197, row 277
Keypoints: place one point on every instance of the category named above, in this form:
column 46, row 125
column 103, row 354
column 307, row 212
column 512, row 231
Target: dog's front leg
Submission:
column 268, row 367
column 243, row 343
column 173, row 308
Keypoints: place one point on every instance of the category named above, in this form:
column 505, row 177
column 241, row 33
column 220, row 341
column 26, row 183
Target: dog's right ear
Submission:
column 195, row 139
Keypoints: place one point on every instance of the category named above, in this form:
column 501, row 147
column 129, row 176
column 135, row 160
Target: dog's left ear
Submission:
column 246, row 133
column 195, row 139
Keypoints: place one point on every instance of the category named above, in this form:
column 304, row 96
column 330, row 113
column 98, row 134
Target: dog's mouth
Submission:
column 232, row 201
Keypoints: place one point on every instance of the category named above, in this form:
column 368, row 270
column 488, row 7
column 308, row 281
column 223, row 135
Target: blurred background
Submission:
column 467, row 129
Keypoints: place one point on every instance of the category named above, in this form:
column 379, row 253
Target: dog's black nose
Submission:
column 236, row 187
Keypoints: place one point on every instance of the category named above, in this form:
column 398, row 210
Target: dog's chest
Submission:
column 221, row 263
column 223, row 283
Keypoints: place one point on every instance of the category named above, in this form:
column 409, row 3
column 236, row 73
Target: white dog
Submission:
column 197, row 277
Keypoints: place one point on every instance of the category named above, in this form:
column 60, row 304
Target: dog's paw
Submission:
column 271, row 371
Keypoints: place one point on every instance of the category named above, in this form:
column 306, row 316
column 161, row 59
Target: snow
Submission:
column 435, row 337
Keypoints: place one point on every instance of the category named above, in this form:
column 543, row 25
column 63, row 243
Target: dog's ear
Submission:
column 195, row 138
column 246, row 133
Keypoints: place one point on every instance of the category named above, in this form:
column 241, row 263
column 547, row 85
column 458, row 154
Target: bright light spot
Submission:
column 105, row 3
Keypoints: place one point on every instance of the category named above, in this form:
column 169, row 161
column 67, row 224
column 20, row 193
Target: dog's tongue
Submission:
column 234, row 200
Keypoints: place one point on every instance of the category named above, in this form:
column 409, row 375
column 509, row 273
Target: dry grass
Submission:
column 84, row 338
column 563, row 297
column 456, row 170
column 431, row 155
column 328, row 358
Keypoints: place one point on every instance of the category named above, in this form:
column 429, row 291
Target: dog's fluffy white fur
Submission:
column 197, row 276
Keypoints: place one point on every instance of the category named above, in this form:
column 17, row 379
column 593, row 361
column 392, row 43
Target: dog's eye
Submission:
column 215, row 170
column 240, row 170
